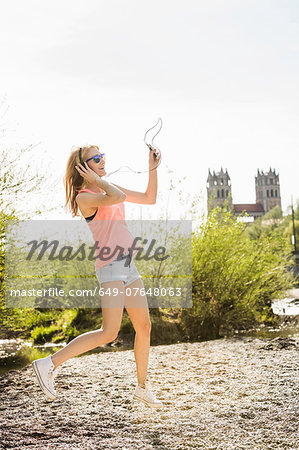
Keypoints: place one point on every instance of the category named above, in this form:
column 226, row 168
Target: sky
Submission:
column 223, row 76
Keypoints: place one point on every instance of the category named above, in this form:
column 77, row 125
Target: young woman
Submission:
column 97, row 199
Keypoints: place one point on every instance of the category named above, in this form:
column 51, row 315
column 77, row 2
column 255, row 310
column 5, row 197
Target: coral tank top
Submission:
column 109, row 229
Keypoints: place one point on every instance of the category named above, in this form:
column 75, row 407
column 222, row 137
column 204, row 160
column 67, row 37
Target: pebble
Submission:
column 231, row 393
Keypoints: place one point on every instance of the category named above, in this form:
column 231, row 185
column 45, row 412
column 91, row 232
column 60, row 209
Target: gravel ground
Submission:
column 235, row 393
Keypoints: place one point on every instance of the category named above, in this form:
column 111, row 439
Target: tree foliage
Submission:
column 25, row 186
column 235, row 278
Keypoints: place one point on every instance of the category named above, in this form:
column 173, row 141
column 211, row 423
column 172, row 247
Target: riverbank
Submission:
column 229, row 393
column 18, row 353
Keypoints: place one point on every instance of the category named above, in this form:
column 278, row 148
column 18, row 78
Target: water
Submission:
column 271, row 333
column 17, row 353
column 288, row 306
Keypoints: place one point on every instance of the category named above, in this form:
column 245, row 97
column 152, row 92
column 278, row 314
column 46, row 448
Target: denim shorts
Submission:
column 118, row 270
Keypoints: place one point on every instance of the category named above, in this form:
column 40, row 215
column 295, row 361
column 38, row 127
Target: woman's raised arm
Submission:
column 150, row 195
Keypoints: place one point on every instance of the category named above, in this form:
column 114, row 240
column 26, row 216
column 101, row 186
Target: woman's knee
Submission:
column 109, row 335
column 144, row 327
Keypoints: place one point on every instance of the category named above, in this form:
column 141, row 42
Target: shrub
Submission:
column 235, row 278
column 42, row 334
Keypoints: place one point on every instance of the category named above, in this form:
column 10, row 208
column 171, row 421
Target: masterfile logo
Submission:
column 52, row 264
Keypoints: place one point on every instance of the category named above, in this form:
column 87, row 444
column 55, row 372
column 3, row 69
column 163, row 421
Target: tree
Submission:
column 23, row 176
column 235, row 278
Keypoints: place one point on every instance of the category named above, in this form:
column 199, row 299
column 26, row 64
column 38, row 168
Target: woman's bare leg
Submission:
column 141, row 321
column 112, row 317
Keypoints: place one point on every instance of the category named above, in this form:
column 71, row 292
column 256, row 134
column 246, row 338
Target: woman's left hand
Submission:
column 152, row 160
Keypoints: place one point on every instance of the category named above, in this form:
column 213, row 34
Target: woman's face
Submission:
column 98, row 168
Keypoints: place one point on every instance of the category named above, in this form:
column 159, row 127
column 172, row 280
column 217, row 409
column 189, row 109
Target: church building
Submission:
column 267, row 193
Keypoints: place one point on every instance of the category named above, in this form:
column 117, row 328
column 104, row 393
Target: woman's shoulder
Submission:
column 88, row 191
column 81, row 194
column 85, row 210
column 85, row 190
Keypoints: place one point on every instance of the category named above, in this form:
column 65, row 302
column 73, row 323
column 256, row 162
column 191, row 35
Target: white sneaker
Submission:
column 145, row 395
column 44, row 371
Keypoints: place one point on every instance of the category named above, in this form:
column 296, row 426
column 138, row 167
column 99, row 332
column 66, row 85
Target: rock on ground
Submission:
column 235, row 393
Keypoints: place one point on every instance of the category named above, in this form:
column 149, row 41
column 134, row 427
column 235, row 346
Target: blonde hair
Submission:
column 72, row 179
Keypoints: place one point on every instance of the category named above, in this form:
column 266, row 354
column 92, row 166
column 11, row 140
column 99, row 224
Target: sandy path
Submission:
column 236, row 393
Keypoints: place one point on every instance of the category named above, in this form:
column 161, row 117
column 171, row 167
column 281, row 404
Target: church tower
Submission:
column 267, row 189
column 218, row 189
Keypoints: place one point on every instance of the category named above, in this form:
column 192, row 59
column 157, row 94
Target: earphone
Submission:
column 151, row 146
column 80, row 156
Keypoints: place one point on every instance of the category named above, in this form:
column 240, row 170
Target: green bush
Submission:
column 235, row 278
column 70, row 333
column 7, row 315
column 126, row 326
column 42, row 334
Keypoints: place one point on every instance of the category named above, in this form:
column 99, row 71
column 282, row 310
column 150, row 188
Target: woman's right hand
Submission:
column 87, row 173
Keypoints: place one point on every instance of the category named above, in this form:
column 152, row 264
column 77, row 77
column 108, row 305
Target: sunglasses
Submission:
column 97, row 158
